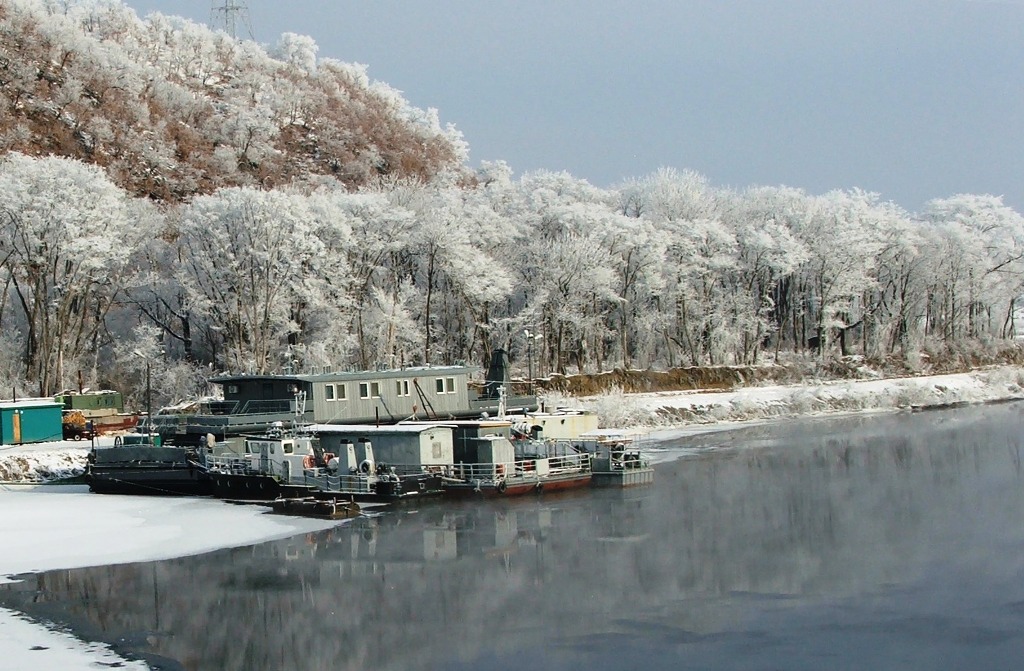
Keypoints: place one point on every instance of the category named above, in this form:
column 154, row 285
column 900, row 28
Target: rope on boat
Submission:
column 136, row 485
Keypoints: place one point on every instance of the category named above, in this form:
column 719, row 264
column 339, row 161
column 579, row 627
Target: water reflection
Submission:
column 886, row 541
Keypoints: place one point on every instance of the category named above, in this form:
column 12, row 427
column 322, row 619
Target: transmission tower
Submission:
column 227, row 14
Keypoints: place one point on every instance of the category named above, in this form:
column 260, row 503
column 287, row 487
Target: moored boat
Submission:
column 326, row 509
column 295, row 464
column 138, row 464
column 495, row 466
column 617, row 460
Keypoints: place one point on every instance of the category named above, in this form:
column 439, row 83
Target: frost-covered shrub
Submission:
column 744, row 407
column 618, row 409
column 805, row 400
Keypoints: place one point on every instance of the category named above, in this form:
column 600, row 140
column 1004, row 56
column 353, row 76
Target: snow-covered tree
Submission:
column 245, row 255
column 67, row 239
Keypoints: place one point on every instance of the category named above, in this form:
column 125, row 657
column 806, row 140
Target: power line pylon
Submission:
column 227, row 14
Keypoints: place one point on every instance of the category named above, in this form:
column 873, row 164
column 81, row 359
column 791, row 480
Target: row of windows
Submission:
column 339, row 391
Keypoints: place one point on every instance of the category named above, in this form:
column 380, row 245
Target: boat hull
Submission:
column 147, row 469
column 260, row 487
column 254, row 487
column 155, row 481
column 631, row 477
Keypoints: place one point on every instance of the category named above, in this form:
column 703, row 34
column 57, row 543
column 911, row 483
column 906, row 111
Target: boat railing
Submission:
column 526, row 469
column 323, row 480
column 266, row 407
column 229, row 463
column 571, row 463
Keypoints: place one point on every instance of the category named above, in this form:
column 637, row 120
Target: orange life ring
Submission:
column 307, row 461
column 500, row 469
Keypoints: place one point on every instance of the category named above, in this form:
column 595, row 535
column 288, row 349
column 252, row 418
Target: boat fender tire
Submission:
column 366, row 467
column 501, row 486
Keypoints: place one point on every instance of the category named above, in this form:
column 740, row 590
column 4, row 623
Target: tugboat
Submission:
column 293, row 464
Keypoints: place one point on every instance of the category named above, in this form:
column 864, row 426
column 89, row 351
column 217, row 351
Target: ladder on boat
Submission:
column 427, row 407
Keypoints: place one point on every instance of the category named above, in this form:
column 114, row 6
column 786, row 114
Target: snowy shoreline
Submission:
column 49, row 527
column 657, row 415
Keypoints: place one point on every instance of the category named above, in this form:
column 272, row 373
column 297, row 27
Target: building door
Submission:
column 16, row 425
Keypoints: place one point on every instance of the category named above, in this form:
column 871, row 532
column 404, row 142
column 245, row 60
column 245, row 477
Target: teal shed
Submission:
column 30, row 421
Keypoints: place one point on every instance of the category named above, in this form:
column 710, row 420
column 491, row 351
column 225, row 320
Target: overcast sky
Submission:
column 914, row 99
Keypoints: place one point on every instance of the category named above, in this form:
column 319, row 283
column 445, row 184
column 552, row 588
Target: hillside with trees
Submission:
column 170, row 109
column 176, row 199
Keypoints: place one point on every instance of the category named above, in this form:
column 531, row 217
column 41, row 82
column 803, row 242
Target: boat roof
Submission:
column 610, row 434
column 342, row 376
column 452, row 423
column 370, row 429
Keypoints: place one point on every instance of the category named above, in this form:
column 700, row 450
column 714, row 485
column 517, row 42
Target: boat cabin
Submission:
column 410, row 445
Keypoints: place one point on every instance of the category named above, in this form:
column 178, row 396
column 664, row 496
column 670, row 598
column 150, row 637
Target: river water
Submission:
column 873, row 542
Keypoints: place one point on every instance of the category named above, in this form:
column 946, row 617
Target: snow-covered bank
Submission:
column 658, row 412
column 668, row 411
column 44, row 462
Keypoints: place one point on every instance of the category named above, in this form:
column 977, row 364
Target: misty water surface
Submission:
column 882, row 542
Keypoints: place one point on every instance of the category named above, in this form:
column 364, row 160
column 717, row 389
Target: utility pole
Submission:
column 226, row 14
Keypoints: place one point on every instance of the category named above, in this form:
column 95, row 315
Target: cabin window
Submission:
column 232, row 388
column 369, row 390
column 375, row 389
column 439, row 385
column 401, row 387
column 449, row 385
column 329, row 392
column 287, row 448
column 342, row 395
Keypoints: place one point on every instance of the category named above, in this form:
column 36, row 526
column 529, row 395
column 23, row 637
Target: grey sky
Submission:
column 914, row 99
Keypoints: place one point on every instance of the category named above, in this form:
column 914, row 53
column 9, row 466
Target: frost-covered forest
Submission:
column 174, row 199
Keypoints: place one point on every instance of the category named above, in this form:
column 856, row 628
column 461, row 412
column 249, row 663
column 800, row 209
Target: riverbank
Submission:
column 656, row 414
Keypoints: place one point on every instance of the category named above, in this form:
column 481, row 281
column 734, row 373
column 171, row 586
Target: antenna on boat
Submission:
column 226, row 14
column 300, row 406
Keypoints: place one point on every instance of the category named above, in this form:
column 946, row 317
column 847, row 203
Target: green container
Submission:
column 93, row 401
column 31, row 421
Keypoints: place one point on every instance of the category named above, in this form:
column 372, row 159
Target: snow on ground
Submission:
column 51, row 526
column 26, row 645
column 42, row 462
column 667, row 412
